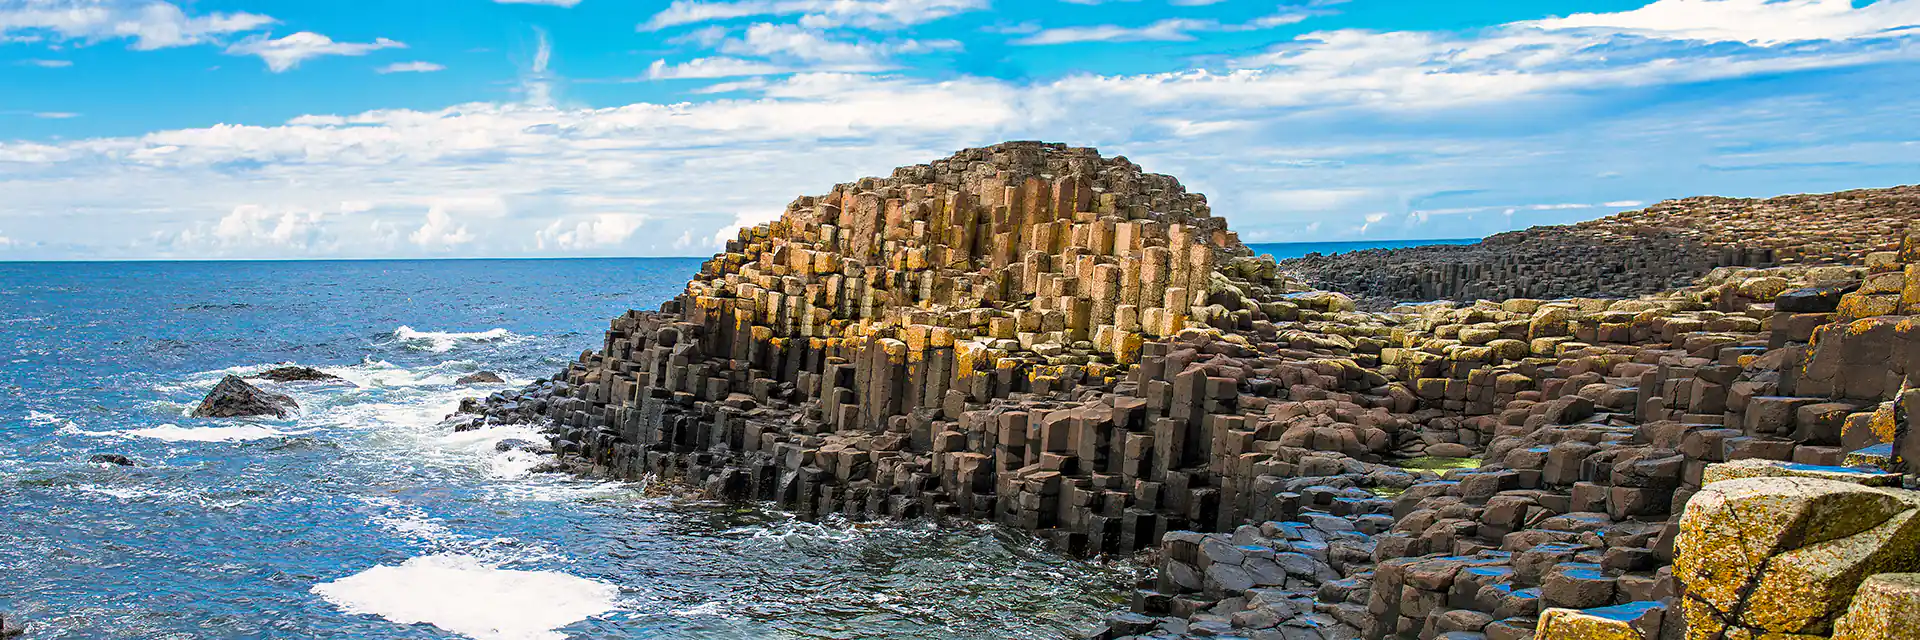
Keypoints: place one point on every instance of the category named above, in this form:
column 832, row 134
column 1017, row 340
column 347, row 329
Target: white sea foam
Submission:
column 380, row 373
column 709, row 608
column 135, row 493
column 444, row 341
column 412, row 521
column 123, row 493
column 177, row 433
column 462, row 594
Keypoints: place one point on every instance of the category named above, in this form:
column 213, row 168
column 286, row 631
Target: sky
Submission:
column 212, row 129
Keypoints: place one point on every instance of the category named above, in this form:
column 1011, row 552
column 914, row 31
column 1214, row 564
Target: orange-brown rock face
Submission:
column 1040, row 253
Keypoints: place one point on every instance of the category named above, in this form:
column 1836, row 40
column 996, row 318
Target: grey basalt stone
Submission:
column 235, row 398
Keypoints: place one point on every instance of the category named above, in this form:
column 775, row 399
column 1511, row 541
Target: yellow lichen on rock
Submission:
column 1782, row 555
column 1631, row 621
column 1886, row 607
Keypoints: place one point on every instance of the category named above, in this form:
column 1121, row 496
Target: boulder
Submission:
column 1784, row 555
column 296, row 374
column 234, row 398
column 1886, row 606
column 516, row 444
column 1630, row 621
column 482, row 377
column 110, row 458
column 10, row 626
column 1812, row 299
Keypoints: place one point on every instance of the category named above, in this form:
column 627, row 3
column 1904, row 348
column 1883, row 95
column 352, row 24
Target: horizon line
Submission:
column 498, row 258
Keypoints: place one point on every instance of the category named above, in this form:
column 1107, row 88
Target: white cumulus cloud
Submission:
column 411, row 67
column 865, row 14
column 286, row 53
column 151, row 25
column 714, row 67
column 440, row 232
column 1762, row 22
column 594, row 232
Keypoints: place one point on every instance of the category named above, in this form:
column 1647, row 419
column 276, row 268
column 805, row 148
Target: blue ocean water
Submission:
column 362, row 517
column 1284, row 250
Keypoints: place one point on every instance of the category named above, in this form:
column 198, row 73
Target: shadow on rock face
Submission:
column 234, row 398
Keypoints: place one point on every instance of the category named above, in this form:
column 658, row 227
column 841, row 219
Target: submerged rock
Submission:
column 297, row 374
column 483, row 377
column 464, row 423
column 10, row 626
column 110, row 458
column 516, row 444
column 234, row 398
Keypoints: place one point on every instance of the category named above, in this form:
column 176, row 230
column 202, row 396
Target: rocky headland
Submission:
column 1689, row 421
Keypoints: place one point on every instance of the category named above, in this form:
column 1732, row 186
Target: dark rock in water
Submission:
column 550, row 467
column 10, row 627
column 1812, row 299
column 234, row 398
column 469, row 424
column 296, row 374
column 483, row 377
column 470, row 405
column 110, row 458
column 516, row 444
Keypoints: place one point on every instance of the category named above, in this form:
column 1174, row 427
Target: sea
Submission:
column 363, row 516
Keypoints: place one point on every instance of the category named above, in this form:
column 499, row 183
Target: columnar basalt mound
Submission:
column 1662, row 247
column 1034, row 335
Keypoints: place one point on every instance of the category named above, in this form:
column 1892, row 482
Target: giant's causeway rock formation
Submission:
column 1038, row 336
column 1662, row 247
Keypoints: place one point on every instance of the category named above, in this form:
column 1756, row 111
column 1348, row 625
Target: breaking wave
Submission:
column 444, row 341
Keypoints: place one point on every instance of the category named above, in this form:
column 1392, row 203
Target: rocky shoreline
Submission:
column 1663, row 247
column 1034, row 335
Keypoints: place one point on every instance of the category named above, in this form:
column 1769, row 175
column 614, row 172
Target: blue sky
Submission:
column 356, row 129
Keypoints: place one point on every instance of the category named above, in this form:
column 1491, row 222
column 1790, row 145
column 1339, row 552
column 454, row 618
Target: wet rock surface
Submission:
column 297, row 374
column 110, row 458
column 1062, row 343
column 481, row 377
column 234, row 398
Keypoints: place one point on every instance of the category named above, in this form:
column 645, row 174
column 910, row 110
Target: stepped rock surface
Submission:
column 1662, row 247
column 1034, row 335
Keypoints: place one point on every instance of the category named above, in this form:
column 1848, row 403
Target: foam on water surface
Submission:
column 177, row 433
column 237, row 433
column 444, row 341
column 464, row 595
